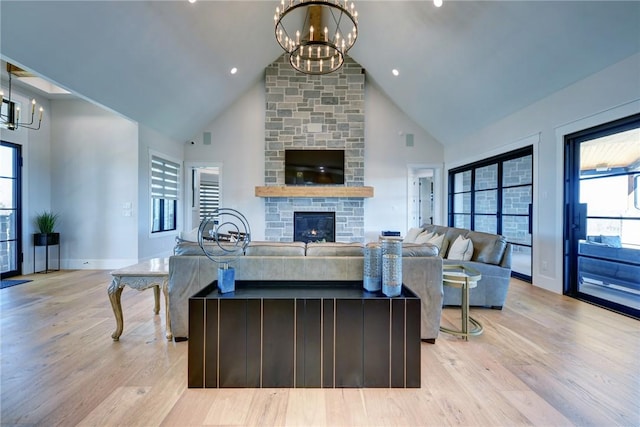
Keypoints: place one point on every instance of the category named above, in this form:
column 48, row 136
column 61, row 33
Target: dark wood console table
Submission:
column 303, row 334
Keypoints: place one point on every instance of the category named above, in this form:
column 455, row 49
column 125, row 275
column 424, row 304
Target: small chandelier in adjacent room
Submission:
column 316, row 34
column 10, row 113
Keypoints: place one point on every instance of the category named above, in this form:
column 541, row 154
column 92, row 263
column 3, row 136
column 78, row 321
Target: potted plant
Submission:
column 46, row 222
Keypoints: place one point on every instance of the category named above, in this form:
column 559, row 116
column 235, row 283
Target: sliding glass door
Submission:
column 495, row 196
column 10, row 212
column 602, row 229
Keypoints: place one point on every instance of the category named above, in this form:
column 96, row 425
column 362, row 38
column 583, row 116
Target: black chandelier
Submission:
column 10, row 113
column 316, row 34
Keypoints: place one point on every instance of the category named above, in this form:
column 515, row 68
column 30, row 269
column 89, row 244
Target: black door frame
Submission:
column 575, row 213
column 497, row 160
column 17, row 190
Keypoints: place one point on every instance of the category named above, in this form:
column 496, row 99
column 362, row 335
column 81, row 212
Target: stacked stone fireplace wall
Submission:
column 315, row 112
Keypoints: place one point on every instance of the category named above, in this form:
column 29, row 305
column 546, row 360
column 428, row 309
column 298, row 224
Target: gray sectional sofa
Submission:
column 190, row 271
column 491, row 257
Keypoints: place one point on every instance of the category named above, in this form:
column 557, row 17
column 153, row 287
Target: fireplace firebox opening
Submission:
column 311, row 227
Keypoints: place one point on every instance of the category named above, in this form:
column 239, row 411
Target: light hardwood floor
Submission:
column 544, row 360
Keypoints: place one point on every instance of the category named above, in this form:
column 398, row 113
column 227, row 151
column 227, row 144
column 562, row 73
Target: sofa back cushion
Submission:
column 275, row 249
column 487, row 248
column 412, row 234
column 334, row 249
column 184, row 247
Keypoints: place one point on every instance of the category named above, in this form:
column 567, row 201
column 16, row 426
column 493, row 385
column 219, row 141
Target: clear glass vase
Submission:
column 372, row 277
column 391, row 275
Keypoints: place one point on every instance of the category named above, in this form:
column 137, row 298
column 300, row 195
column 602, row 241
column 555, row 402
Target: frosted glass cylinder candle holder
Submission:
column 226, row 279
column 391, row 275
column 392, row 246
column 372, row 277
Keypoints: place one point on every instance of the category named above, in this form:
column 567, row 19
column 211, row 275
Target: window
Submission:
column 495, row 195
column 209, row 198
column 164, row 194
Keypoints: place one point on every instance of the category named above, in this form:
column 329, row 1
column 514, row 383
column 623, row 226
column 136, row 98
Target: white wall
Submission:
column 610, row 94
column 158, row 244
column 387, row 159
column 237, row 143
column 94, row 172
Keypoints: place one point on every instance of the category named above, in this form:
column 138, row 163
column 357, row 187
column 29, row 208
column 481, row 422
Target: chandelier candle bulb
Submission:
column 305, row 18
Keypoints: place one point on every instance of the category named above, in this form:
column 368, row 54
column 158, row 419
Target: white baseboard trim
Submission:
column 97, row 264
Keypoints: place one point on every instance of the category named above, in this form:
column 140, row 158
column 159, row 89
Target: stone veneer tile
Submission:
column 293, row 100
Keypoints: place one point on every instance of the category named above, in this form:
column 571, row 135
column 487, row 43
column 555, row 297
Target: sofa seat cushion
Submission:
column 334, row 249
column 275, row 249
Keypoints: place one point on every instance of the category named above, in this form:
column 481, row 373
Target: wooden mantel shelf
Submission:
column 313, row 191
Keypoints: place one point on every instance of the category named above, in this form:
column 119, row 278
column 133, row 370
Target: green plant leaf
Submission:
column 46, row 221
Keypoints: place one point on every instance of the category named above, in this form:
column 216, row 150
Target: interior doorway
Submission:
column 424, row 195
column 203, row 183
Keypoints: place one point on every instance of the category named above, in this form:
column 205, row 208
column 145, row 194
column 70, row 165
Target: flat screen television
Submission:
column 313, row 167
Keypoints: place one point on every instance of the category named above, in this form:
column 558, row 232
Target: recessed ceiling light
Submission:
column 234, row 70
column 395, row 72
column 437, row 3
column 192, row 1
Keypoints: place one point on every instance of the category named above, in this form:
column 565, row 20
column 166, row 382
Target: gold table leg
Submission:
column 464, row 331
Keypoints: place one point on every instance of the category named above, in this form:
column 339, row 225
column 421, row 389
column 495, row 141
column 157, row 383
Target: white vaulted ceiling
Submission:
column 463, row 66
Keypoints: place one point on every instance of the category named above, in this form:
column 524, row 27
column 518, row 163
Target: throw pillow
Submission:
column 190, row 236
column 461, row 249
column 437, row 240
column 412, row 234
column 423, row 237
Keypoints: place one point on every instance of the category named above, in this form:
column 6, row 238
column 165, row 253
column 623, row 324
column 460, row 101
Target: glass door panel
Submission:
column 495, row 196
column 517, row 206
column 609, row 254
column 603, row 214
column 10, row 247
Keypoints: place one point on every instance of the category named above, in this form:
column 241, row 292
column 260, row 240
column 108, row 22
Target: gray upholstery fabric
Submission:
column 491, row 290
column 193, row 248
column 487, row 248
column 417, row 249
column 334, row 249
column 491, row 257
column 276, row 249
column 188, row 274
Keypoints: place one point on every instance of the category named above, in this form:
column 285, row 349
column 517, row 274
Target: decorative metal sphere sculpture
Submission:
column 229, row 230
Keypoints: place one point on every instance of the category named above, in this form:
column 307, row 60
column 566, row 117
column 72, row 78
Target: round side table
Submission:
column 464, row 278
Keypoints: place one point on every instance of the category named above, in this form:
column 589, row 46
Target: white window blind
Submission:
column 164, row 178
column 209, row 198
